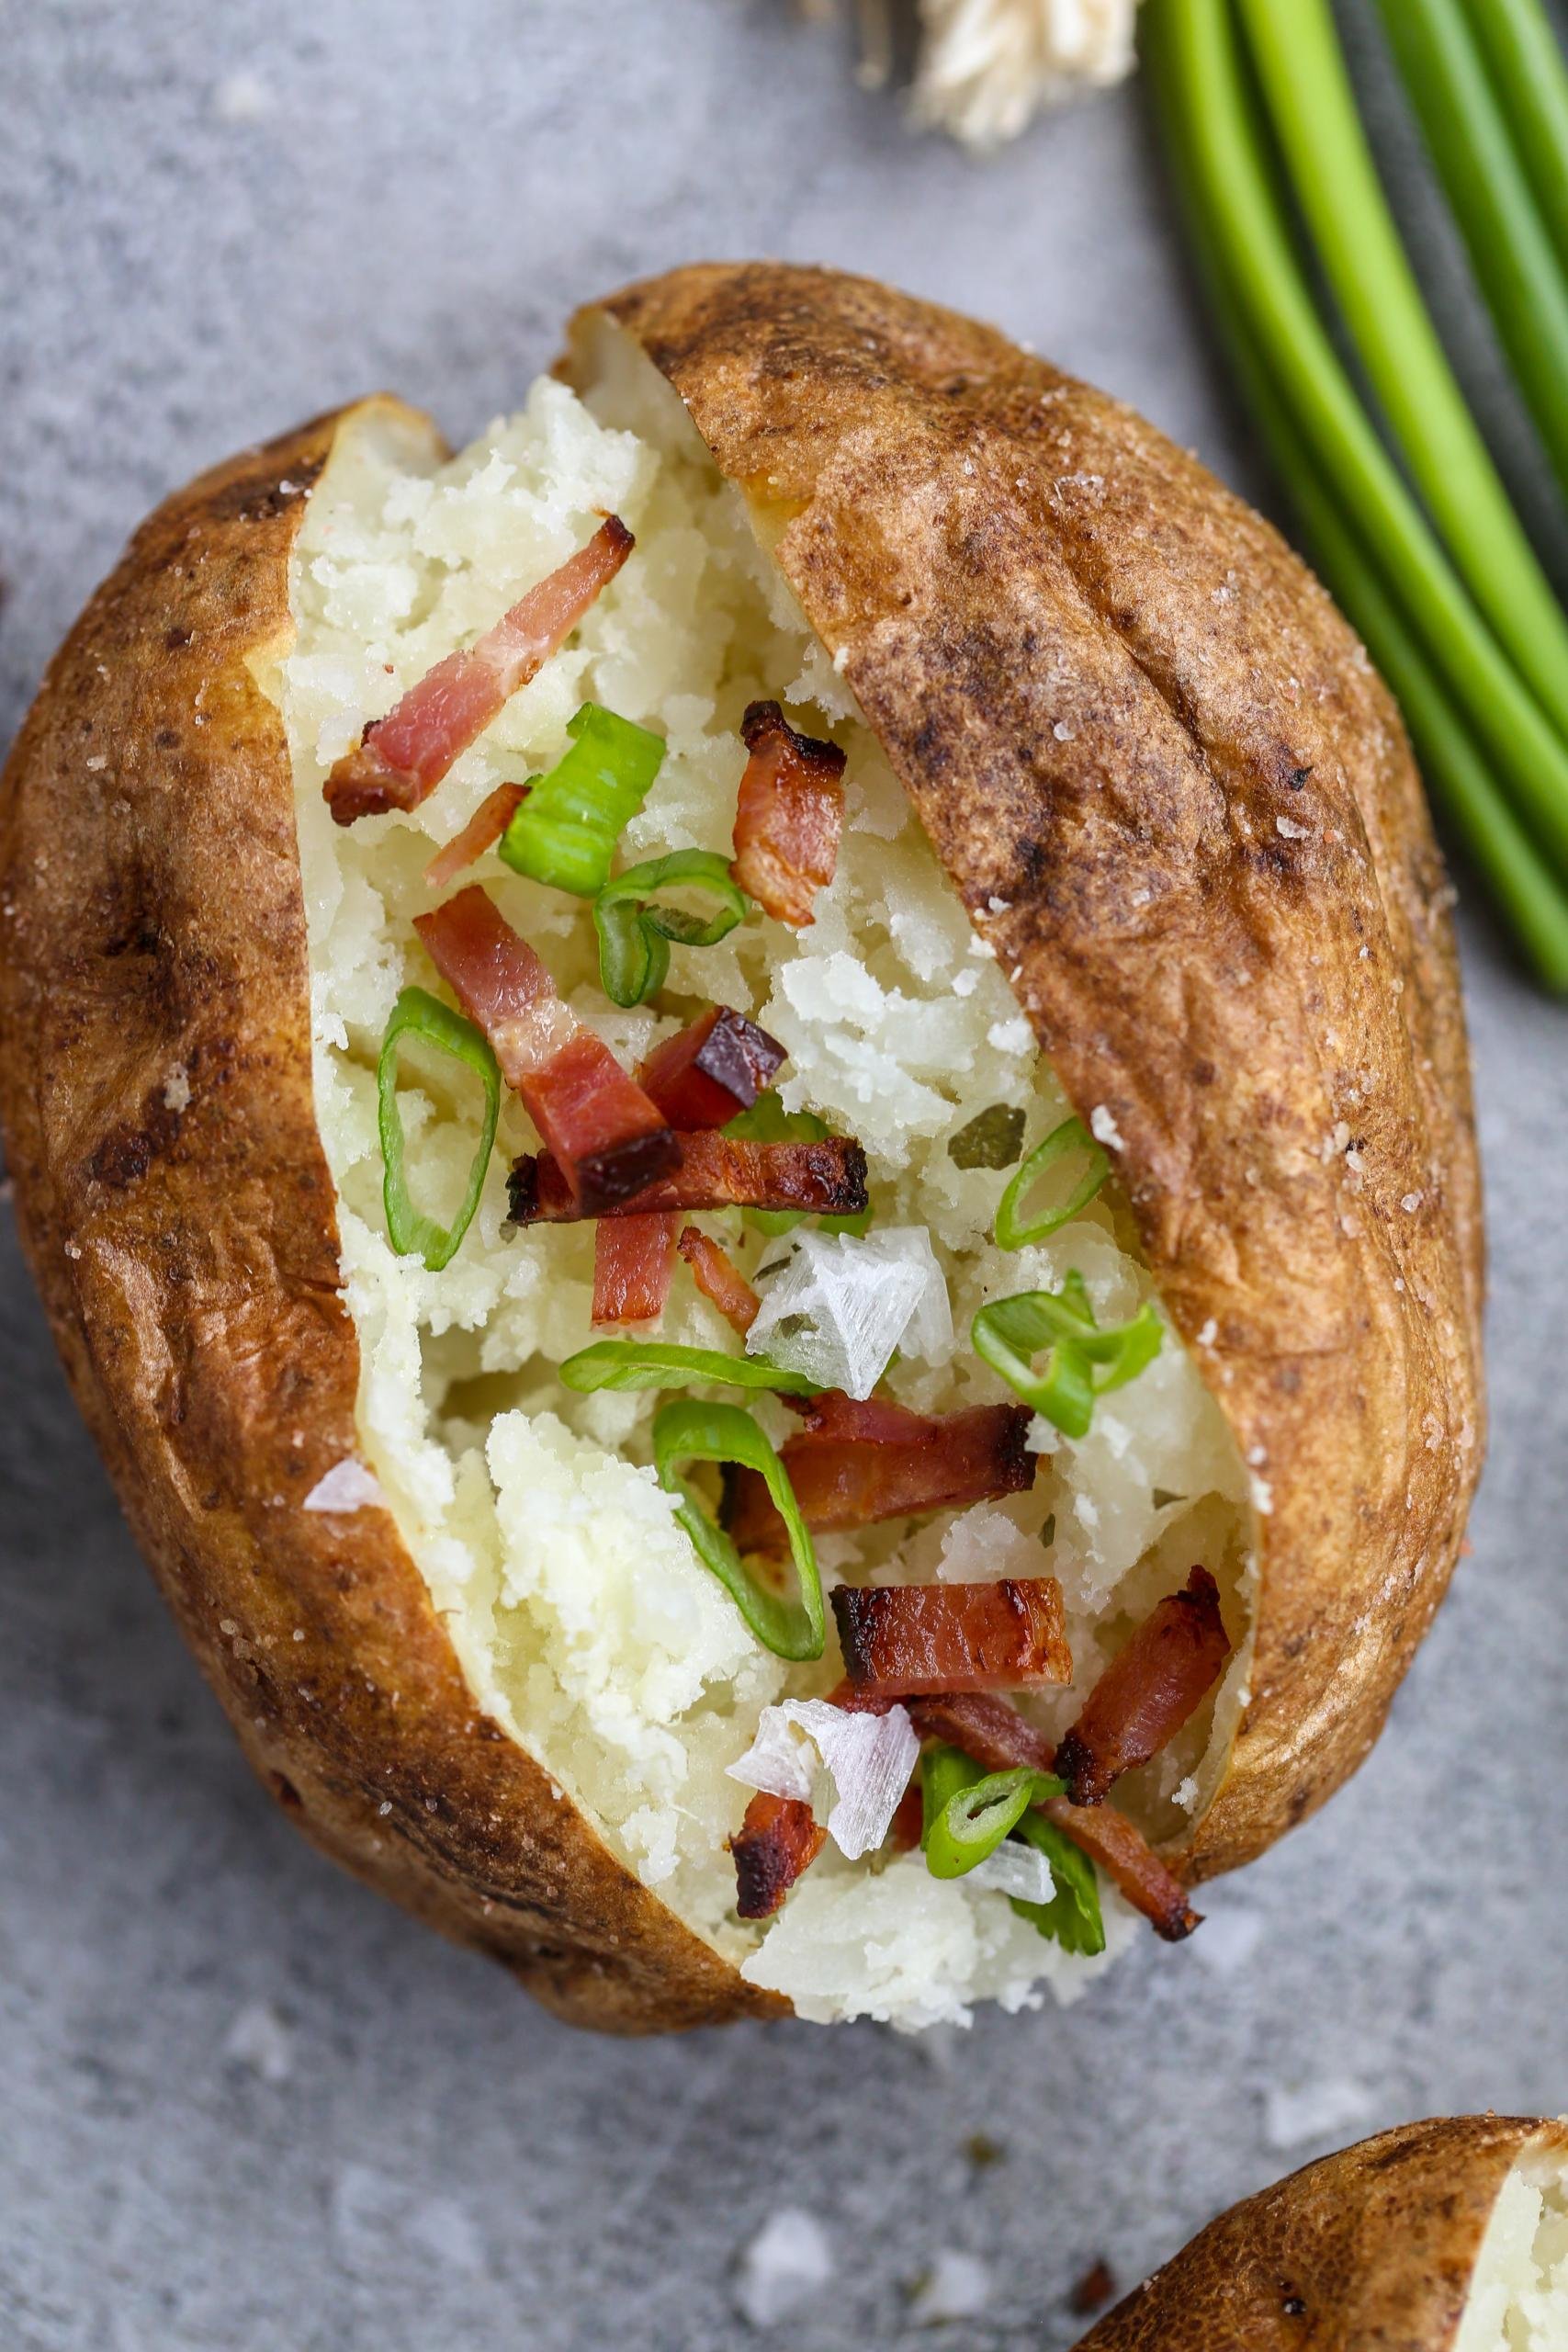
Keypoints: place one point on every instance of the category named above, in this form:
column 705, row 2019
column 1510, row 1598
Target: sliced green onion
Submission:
column 1527, row 63
column 565, row 832
column 943, row 1771
column 635, row 931
column 975, row 1819
column 689, row 1431
column 1072, row 1136
column 768, row 1122
column 1072, row 1917
column 418, row 1013
column 1083, row 1360
column 661, row 1364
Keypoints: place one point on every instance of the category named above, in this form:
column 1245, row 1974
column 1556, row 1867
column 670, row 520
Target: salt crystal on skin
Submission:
column 1102, row 1127
column 347, row 1487
column 177, row 1089
column 788, row 2262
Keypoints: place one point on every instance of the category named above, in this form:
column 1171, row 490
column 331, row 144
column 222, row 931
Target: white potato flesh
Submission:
column 1518, row 2296
column 583, row 1620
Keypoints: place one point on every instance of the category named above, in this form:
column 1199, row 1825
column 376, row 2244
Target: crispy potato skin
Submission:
column 1371, row 2250
column 1178, row 801
column 154, row 922
column 1227, row 992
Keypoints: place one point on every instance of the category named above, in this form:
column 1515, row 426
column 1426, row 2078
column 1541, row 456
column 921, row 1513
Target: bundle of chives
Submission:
column 1456, row 609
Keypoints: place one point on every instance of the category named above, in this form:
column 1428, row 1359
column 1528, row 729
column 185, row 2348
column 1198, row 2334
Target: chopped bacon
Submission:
column 633, row 1260
column 858, row 1462
column 487, row 825
column 909, row 1818
column 401, row 759
column 607, row 1138
column 997, row 1735
column 1154, row 1683
column 900, row 1639
column 713, row 1274
column 776, row 1841
column 717, row 1065
column 712, row 1171
column 789, row 815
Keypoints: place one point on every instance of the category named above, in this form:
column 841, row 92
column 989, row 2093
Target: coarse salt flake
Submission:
column 788, row 2262
column 868, row 1758
column 1102, row 1127
column 348, row 1485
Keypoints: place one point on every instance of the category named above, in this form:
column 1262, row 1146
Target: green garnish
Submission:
column 1072, row 1136
column 768, row 1122
column 690, row 1431
column 967, row 1815
column 1082, row 1360
column 412, row 1232
column 661, row 1364
column 993, row 1138
column 634, row 932
column 565, row 832
column 1072, row 1917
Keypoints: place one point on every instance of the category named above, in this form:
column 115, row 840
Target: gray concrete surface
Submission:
column 242, row 2105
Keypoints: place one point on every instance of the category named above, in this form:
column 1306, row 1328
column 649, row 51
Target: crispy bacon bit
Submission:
column 713, row 1172
column 713, row 1274
column 606, row 1139
column 486, row 826
column 401, row 759
column 910, row 1819
column 776, row 1841
column 633, row 1260
column 1155, row 1682
column 900, row 1639
column 858, row 1462
column 789, row 815
column 997, row 1735
column 716, row 1067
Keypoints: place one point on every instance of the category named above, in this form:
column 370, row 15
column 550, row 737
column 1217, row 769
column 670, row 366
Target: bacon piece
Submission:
column 1154, row 1683
column 401, row 759
column 712, row 1171
column 858, row 1462
column 997, row 1735
column 776, row 1842
column 717, row 1065
column 713, row 1274
column 909, row 1818
column 607, row 1138
column 900, row 1639
column 789, row 815
column 487, row 824
column 633, row 1260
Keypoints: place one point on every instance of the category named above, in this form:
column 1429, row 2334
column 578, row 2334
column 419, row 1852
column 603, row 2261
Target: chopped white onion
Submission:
column 842, row 1302
column 347, row 1487
column 1016, row 1870
column 868, row 1758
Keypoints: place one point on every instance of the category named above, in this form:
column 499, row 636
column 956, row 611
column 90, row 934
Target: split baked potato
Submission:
column 1123, row 829
column 1446, row 2236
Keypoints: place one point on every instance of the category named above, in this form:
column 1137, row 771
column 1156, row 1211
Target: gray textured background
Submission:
column 242, row 2104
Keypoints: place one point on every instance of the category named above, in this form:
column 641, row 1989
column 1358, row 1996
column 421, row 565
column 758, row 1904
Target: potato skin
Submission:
column 1179, row 804
column 1371, row 2250
column 152, row 924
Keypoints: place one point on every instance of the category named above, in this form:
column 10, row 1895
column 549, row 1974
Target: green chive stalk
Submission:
column 1532, row 82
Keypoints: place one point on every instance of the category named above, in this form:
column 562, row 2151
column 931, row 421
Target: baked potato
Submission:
column 1446, row 2236
column 1078, row 859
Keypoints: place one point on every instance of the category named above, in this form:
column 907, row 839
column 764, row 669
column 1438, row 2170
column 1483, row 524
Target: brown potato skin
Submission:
column 151, row 919
column 959, row 520
column 1371, row 2250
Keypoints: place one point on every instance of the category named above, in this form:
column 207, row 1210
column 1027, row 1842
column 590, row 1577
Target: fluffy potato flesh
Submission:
column 585, row 1622
column 1518, row 2296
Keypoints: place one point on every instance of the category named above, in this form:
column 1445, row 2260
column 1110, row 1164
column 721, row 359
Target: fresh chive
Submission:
column 566, row 830
column 689, row 1431
column 1531, row 80
column 1083, row 1360
column 1197, row 73
column 634, row 930
column 1012, row 1231
column 661, row 1364
column 972, row 1822
column 1302, row 71
column 418, row 1014
column 1515, row 261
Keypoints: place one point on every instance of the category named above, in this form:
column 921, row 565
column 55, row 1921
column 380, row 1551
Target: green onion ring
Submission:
column 661, row 1364
column 1082, row 1360
column 565, row 832
column 690, row 1431
column 975, row 1819
column 634, row 954
column 411, row 1233
column 1071, row 1136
